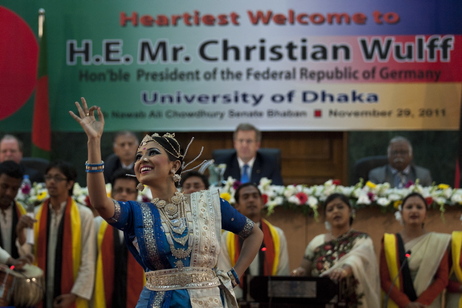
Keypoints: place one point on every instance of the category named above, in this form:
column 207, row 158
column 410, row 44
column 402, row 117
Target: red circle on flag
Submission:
column 18, row 62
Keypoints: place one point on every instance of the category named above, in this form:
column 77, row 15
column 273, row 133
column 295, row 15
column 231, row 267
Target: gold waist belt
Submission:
column 181, row 278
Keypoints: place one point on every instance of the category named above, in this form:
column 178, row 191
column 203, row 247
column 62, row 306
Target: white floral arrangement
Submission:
column 38, row 193
column 309, row 198
column 305, row 198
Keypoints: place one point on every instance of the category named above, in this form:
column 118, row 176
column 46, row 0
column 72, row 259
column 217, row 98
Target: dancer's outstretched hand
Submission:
column 92, row 126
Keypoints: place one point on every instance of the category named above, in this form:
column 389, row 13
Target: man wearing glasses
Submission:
column 247, row 164
column 64, row 240
column 400, row 172
column 119, row 278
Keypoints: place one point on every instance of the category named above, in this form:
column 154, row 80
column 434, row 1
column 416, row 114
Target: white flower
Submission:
column 313, row 202
column 347, row 191
column 356, row 192
column 417, row 188
column 456, row 198
column 278, row 190
column 395, row 197
column 275, row 202
column 290, row 191
column 293, row 199
column 382, row 188
column 264, row 184
column 77, row 189
column 364, row 199
column 329, row 189
column 383, row 202
column 447, row 193
column 440, row 200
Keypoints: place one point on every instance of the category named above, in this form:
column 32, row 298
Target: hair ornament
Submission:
column 167, row 137
column 184, row 166
column 171, row 136
column 205, row 165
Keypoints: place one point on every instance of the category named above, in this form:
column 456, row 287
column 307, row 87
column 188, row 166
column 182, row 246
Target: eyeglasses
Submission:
column 55, row 178
column 248, row 141
column 128, row 191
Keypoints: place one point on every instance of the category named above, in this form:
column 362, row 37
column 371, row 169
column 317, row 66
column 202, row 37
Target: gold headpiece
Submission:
column 167, row 137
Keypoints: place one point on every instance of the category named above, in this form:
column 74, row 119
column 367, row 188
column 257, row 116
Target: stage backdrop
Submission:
column 208, row 65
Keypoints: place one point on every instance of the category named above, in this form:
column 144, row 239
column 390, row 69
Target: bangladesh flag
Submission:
column 41, row 127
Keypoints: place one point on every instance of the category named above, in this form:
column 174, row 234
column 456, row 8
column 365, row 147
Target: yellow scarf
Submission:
column 456, row 247
column 390, row 245
column 234, row 251
column 21, row 209
column 99, row 298
column 72, row 246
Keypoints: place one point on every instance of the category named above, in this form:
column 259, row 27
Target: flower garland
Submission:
column 39, row 193
column 306, row 199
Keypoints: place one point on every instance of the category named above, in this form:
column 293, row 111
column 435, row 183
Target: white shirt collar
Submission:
column 241, row 163
column 61, row 207
column 127, row 167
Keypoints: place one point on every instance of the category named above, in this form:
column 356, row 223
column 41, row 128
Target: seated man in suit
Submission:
column 247, row 164
column 400, row 171
column 125, row 145
column 273, row 257
column 11, row 148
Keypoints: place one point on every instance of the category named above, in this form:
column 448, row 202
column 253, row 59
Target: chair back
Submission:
column 362, row 167
column 222, row 155
column 37, row 163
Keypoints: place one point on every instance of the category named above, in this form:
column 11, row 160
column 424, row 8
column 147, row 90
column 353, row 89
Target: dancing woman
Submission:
column 175, row 237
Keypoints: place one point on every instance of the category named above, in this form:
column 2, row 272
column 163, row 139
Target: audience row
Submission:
column 247, row 163
column 415, row 264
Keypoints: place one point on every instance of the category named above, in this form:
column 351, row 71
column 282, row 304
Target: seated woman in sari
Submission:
column 342, row 253
column 454, row 289
column 414, row 262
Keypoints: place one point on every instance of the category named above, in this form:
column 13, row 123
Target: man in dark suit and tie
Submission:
column 400, row 171
column 247, row 164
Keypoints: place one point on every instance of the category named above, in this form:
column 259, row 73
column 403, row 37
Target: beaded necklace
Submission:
column 174, row 218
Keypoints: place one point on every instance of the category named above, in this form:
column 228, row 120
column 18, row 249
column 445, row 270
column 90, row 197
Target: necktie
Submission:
column 401, row 179
column 245, row 174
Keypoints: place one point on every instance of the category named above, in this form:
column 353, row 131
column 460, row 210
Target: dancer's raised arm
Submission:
column 93, row 126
